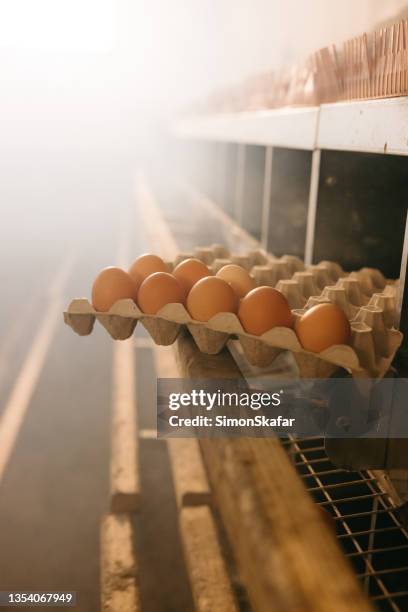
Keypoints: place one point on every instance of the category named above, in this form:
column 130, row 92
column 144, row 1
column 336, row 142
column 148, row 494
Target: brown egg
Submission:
column 210, row 296
column 322, row 326
column 189, row 271
column 110, row 286
column 145, row 265
column 157, row 290
column 262, row 309
column 238, row 278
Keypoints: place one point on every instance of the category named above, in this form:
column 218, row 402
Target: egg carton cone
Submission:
column 365, row 296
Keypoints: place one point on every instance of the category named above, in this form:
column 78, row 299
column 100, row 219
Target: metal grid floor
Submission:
column 364, row 517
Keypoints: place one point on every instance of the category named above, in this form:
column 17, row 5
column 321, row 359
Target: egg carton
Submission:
column 366, row 297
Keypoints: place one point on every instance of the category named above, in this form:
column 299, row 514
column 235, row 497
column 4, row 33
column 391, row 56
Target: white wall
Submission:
column 283, row 31
column 186, row 47
column 167, row 52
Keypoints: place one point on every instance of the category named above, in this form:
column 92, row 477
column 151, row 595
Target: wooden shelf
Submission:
column 119, row 570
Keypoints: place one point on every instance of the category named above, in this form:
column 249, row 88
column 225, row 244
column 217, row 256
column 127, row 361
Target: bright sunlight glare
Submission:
column 60, row 25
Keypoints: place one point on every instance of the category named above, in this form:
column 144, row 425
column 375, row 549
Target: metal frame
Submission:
column 292, row 128
column 239, row 185
column 312, row 208
column 370, row 126
column 266, row 196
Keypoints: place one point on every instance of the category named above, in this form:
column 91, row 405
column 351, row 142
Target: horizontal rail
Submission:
column 372, row 126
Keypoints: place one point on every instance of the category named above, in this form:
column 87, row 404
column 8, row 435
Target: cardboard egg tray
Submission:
column 366, row 297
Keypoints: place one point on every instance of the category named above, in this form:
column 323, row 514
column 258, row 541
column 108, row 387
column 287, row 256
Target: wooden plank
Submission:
column 209, row 579
column 287, row 557
column 147, row 434
column 119, row 573
column 124, row 470
column 189, row 476
column 190, row 480
column 124, row 467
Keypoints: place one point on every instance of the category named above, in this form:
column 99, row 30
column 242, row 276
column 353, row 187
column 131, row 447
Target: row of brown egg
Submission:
column 231, row 290
column 372, row 344
column 365, row 296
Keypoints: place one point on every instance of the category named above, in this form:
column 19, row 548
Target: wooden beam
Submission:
column 189, row 476
column 190, row 480
column 124, row 469
column 119, row 573
column 209, row 579
column 287, row 557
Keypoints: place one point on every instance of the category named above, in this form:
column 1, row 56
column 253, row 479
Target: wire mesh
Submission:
column 367, row 527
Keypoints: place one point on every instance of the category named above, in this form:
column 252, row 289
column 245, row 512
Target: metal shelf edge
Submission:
column 372, row 126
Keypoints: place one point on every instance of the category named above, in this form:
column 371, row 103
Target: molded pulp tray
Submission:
column 366, row 297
